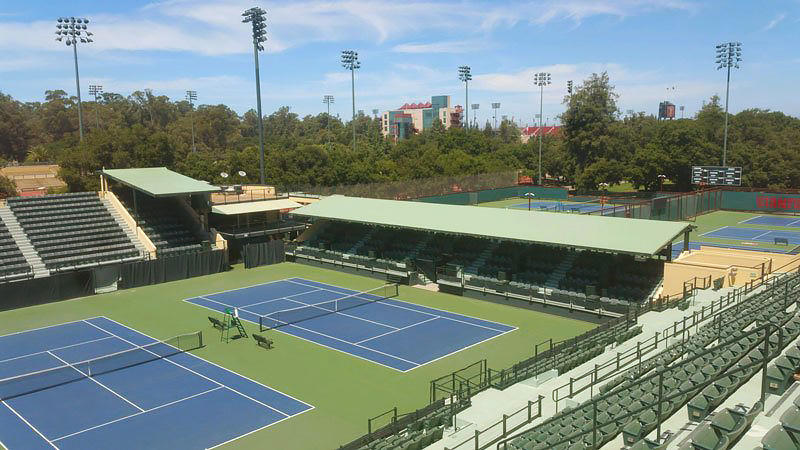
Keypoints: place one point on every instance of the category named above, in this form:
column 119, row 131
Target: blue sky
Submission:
column 410, row 50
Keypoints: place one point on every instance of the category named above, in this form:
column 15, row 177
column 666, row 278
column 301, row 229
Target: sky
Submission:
column 409, row 51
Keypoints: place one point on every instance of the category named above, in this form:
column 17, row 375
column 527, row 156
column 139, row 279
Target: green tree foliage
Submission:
column 7, row 187
column 596, row 146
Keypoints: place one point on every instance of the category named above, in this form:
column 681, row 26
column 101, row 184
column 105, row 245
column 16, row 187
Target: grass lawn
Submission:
column 344, row 390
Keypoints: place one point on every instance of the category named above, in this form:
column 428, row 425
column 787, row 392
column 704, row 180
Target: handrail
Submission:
column 766, row 356
column 504, row 424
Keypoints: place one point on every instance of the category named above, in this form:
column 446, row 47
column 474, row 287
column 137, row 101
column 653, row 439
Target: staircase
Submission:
column 561, row 270
column 360, row 243
column 24, row 244
column 481, row 260
column 125, row 227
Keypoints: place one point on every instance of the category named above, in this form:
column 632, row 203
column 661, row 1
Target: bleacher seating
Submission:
column 12, row 263
column 393, row 244
column 161, row 221
column 339, row 236
column 531, row 264
column 727, row 351
column 618, row 276
column 69, row 230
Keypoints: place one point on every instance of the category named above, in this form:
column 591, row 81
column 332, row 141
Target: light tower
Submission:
column 541, row 79
column 328, row 100
column 465, row 74
column 95, row 91
column 71, row 30
column 350, row 62
column 191, row 96
column 728, row 56
column 475, row 107
column 569, row 87
column 257, row 17
column 495, row 107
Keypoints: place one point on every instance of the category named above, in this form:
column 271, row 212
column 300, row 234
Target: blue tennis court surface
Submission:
column 179, row 401
column 754, row 234
column 389, row 332
column 773, row 221
column 563, row 206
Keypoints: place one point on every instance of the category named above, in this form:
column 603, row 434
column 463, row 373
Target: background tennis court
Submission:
column 168, row 402
column 754, row 234
column 773, row 221
column 562, row 206
column 389, row 332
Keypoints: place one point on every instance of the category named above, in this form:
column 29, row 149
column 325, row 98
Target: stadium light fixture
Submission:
column 661, row 179
column 375, row 113
column 465, row 75
column 350, row 62
column 191, row 96
column 475, row 107
column 729, row 55
column 257, row 17
column 72, row 30
column 569, row 87
column 328, row 100
column 529, row 196
column 541, row 79
column 95, row 91
column 495, row 107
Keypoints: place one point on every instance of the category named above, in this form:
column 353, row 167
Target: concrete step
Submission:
column 24, row 244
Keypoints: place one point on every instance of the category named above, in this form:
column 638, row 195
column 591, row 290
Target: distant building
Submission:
column 415, row 117
column 34, row 180
column 529, row 132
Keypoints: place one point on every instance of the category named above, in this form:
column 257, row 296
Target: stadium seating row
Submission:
column 159, row 220
column 628, row 404
column 71, row 230
column 785, row 435
column 12, row 264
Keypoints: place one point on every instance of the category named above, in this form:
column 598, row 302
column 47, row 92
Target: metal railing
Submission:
column 507, row 425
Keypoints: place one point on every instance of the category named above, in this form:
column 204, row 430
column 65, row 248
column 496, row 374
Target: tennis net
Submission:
column 301, row 313
column 69, row 372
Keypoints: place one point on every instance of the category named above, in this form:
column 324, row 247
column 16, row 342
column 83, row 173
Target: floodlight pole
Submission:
column 191, row 96
column 728, row 56
column 465, row 74
column 260, row 119
column 353, row 96
column 78, row 89
column 256, row 16
column 74, row 29
column 541, row 79
column 96, row 90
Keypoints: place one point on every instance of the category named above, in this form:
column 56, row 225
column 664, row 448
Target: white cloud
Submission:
column 214, row 28
column 775, row 21
column 439, row 47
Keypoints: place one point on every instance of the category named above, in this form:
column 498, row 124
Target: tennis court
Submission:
column 560, row 206
column 773, row 221
column 96, row 383
column 369, row 325
column 754, row 234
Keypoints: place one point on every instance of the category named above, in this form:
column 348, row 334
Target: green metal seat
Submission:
column 777, row 438
column 707, row 438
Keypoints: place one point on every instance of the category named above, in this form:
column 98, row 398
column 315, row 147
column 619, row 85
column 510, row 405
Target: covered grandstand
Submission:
column 584, row 263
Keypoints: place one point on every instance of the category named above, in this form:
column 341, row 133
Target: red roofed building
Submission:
column 529, row 132
column 415, row 117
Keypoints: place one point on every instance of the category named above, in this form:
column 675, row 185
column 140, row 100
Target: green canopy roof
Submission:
column 635, row 236
column 159, row 181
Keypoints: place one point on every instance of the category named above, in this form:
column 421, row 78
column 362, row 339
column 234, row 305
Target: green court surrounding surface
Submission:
column 344, row 390
column 505, row 203
column 718, row 219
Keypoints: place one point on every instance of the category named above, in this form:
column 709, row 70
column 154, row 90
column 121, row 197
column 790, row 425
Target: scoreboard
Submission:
column 717, row 175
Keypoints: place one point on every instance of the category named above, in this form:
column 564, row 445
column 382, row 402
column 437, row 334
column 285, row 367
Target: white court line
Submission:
column 714, row 231
column 342, row 340
column 213, row 364
column 744, row 222
column 234, row 289
column 89, row 376
column 42, row 328
column 381, row 302
column 316, row 305
column 136, row 414
column 286, row 297
column 28, row 424
column 194, row 372
column 313, row 342
column 762, row 234
column 396, row 330
column 57, row 348
column 792, row 223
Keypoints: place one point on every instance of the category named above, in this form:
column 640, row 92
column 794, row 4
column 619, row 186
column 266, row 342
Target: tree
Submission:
column 7, row 187
column 591, row 110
